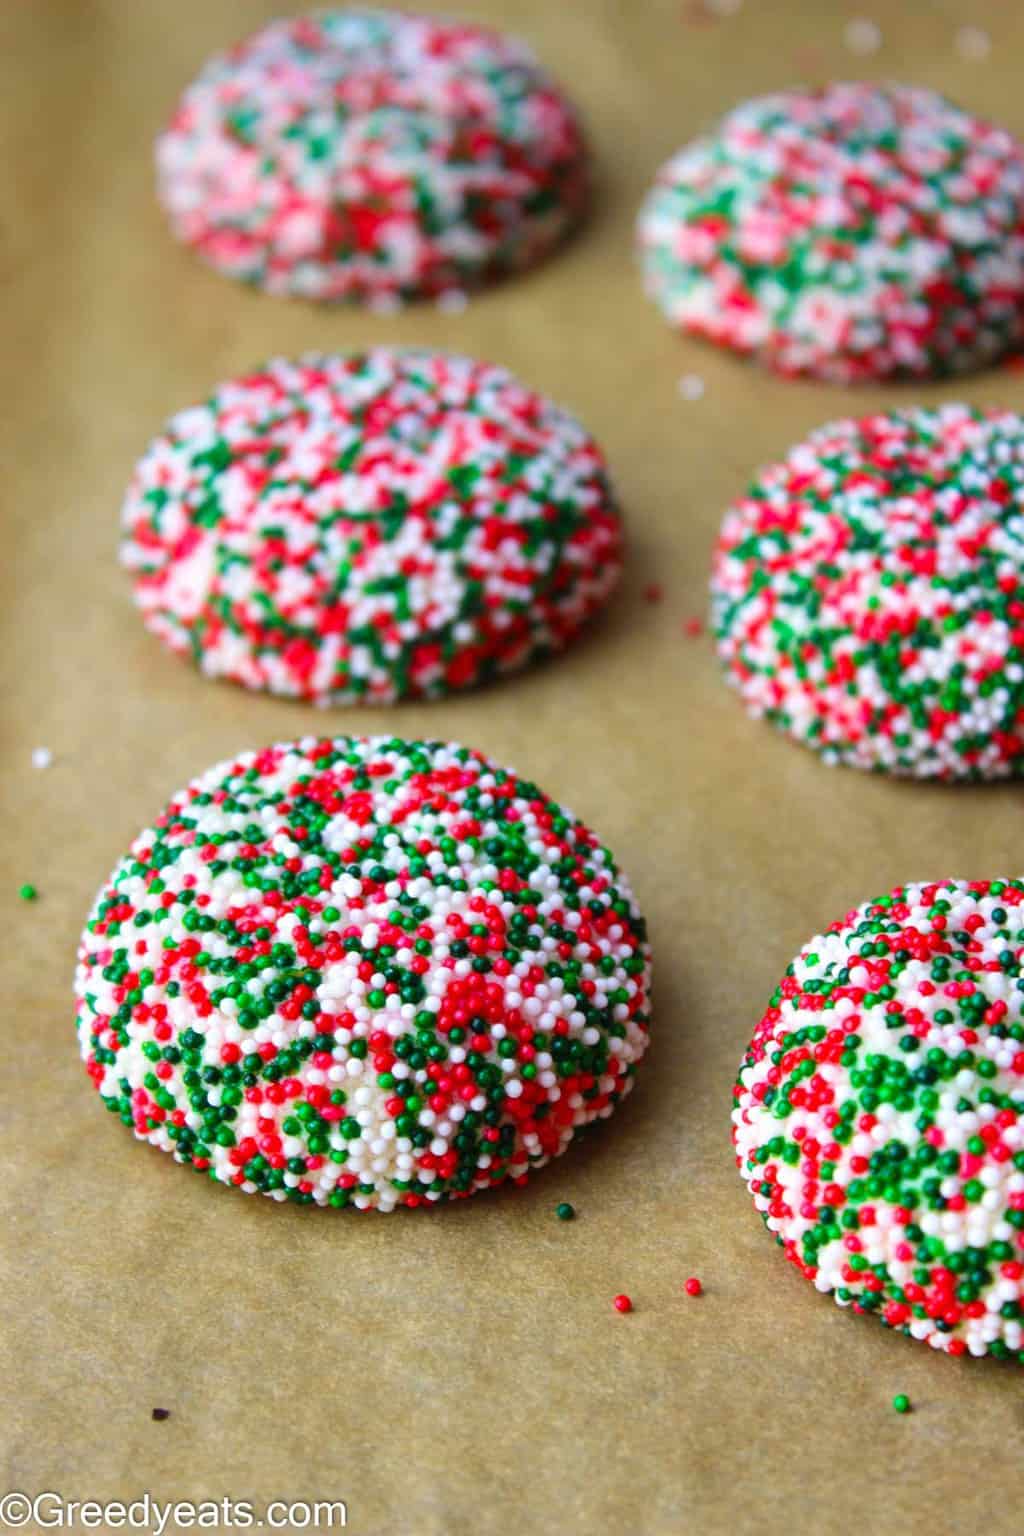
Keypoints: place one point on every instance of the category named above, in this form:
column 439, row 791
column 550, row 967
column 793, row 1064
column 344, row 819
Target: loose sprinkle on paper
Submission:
column 973, row 43
column 863, row 36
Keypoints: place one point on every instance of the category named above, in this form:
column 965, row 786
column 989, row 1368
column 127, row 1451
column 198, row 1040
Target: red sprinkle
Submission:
column 622, row 1304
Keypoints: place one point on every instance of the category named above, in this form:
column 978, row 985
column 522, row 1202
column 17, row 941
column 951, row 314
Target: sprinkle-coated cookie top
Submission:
column 362, row 529
column 879, row 1118
column 854, row 232
column 363, row 971
column 373, row 155
column 868, row 593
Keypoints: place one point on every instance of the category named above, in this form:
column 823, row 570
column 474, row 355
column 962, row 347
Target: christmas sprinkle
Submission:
column 901, row 1402
column 973, row 43
column 27, row 892
column 691, row 386
column 861, row 35
column 879, row 1118
column 622, row 1304
column 363, row 972
column 851, row 233
column 694, row 628
column 565, row 1211
column 453, row 302
column 357, row 530
column 159, row 1414
column 693, row 1287
column 361, row 154
column 868, row 593
column 42, row 757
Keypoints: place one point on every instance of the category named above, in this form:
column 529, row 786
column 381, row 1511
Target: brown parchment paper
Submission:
column 461, row 1371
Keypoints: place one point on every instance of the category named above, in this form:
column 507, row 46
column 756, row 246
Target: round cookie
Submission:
column 868, row 593
column 396, row 524
column 879, row 1117
column 363, row 971
column 372, row 155
column 852, row 233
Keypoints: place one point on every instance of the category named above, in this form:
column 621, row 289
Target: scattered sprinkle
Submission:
column 453, row 301
column 161, row 1413
column 385, row 303
column 861, row 35
column 653, row 593
column 42, row 757
column 694, row 627
column 723, row 7
column 622, row 1304
column 691, row 386
column 27, row 892
column 565, row 1211
column 693, row 1286
column 973, row 43
column 901, row 1402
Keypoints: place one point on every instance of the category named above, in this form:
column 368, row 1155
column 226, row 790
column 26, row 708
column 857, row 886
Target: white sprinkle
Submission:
column 973, row 43
column 384, row 303
column 42, row 757
column 862, row 35
column 453, row 302
column 691, row 386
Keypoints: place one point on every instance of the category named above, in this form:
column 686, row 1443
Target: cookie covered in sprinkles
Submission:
column 851, row 233
column 372, row 155
column 363, row 971
column 868, row 593
column 361, row 529
column 879, row 1114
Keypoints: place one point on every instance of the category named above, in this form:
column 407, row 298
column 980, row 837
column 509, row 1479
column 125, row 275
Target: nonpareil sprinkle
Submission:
column 868, row 593
column 356, row 530
column 363, row 972
column 372, row 155
column 854, row 232
column 879, row 1114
